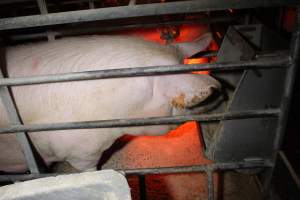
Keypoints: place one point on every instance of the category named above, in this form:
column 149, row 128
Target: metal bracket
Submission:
column 238, row 139
column 236, row 39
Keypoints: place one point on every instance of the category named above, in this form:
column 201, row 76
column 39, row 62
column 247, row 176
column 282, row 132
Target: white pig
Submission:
column 152, row 96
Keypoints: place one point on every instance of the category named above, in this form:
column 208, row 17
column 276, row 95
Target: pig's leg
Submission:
column 83, row 148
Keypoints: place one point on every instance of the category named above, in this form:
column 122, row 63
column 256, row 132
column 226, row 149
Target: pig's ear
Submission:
column 188, row 49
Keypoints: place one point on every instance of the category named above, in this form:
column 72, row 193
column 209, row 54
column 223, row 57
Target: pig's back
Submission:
column 85, row 100
column 86, row 53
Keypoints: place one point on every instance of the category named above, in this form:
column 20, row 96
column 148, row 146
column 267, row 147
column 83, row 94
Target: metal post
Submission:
column 143, row 187
column 91, row 4
column 210, row 184
column 286, row 98
column 132, row 2
column 43, row 9
column 14, row 118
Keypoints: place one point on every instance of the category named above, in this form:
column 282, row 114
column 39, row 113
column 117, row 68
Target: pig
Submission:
column 133, row 97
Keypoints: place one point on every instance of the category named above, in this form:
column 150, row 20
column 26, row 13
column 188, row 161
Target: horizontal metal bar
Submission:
column 199, row 168
column 276, row 62
column 136, row 11
column 60, row 3
column 140, row 121
column 163, row 170
column 104, row 29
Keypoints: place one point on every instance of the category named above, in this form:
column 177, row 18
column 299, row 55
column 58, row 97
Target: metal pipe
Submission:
column 198, row 168
column 268, row 63
column 163, row 170
column 132, row 2
column 210, row 185
column 14, row 118
column 135, row 11
column 288, row 85
column 114, row 123
column 100, row 29
column 285, row 100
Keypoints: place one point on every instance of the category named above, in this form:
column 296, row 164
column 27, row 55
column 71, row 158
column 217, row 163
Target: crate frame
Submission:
column 291, row 63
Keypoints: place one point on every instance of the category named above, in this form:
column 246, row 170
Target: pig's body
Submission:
column 92, row 100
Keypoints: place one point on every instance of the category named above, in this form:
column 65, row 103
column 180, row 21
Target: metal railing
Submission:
column 136, row 11
column 290, row 63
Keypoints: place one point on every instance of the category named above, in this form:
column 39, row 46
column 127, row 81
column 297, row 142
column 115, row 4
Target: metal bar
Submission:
column 285, row 181
column 290, row 169
column 288, row 85
column 199, row 168
column 268, row 63
column 136, row 11
column 286, row 98
column 210, row 184
column 114, row 123
column 101, row 29
column 42, row 6
column 142, row 187
column 43, row 9
column 61, row 3
column 91, row 4
column 163, row 170
column 132, row 2
column 22, row 137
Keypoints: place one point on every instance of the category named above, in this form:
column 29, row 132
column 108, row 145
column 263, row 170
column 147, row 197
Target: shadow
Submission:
column 220, row 186
column 115, row 147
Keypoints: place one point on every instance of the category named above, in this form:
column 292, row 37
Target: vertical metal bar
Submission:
column 289, row 83
column 143, row 187
column 210, row 184
column 42, row 6
column 286, row 98
column 22, row 136
column 91, row 4
column 43, row 9
column 132, row 2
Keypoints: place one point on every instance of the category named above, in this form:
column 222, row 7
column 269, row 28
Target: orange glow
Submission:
column 196, row 61
column 185, row 136
column 187, row 33
column 180, row 147
column 171, row 149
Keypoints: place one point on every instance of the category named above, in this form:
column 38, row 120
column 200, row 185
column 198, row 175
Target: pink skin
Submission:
column 93, row 100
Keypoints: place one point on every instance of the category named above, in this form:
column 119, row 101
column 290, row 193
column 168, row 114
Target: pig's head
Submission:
column 186, row 91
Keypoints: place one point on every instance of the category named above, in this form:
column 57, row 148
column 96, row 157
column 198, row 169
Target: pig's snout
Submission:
column 187, row 101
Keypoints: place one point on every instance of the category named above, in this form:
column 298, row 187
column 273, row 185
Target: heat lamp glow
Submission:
column 180, row 147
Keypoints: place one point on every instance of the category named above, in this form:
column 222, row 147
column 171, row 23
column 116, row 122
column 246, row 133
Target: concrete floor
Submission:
column 181, row 147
